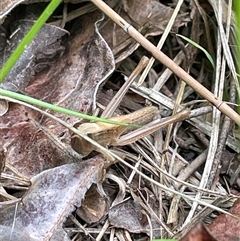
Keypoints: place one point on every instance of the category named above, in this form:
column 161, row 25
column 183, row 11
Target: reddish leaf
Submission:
column 225, row 227
column 198, row 233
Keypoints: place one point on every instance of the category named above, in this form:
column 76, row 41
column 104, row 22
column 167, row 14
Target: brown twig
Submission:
column 113, row 104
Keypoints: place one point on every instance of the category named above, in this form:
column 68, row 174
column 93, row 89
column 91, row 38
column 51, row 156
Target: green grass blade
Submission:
column 28, row 38
column 56, row 108
column 199, row 47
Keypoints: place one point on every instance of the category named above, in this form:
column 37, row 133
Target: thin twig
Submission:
column 113, row 104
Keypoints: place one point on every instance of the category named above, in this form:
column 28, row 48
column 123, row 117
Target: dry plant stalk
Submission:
column 113, row 104
column 205, row 93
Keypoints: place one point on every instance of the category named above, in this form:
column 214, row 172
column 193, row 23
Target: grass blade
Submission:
column 199, row 47
column 28, row 38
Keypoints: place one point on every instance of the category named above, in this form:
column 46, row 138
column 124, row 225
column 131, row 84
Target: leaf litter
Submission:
column 73, row 67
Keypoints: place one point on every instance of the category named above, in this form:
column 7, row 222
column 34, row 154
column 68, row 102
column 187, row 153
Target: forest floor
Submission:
column 172, row 174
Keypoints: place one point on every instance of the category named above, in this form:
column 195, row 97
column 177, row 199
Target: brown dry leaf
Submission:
column 71, row 81
column 198, row 233
column 151, row 13
column 75, row 78
column 29, row 149
column 54, row 194
column 225, row 227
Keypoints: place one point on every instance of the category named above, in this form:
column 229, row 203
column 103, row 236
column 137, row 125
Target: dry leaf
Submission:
column 54, row 194
column 148, row 11
column 6, row 233
column 29, row 149
column 46, row 45
column 225, row 227
column 129, row 215
column 198, row 233
column 73, row 82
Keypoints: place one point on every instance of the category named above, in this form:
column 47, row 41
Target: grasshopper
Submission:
column 111, row 135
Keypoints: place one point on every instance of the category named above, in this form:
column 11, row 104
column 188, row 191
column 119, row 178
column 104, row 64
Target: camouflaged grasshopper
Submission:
column 110, row 135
